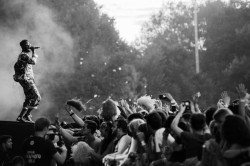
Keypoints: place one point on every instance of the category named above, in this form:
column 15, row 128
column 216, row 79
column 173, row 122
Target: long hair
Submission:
column 109, row 109
column 107, row 140
column 134, row 125
column 80, row 153
column 146, row 102
column 235, row 131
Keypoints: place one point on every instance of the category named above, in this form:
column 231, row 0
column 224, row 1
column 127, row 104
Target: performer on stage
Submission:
column 24, row 75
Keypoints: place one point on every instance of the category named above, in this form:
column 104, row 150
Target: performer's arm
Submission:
column 29, row 60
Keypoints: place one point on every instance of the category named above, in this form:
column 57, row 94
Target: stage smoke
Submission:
column 27, row 19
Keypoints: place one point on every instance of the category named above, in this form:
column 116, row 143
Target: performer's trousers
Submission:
column 32, row 96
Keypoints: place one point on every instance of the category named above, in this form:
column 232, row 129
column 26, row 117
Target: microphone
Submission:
column 34, row 47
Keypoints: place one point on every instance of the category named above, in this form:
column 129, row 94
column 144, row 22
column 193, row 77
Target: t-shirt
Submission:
column 125, row 140
column 193, row 143
column 37, row 151
column 159, row 139
column 4, row 157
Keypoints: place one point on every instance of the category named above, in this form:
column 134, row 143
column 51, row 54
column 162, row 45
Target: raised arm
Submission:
column 30, row 60
column 196, row 97
column 174, row 125
column 225, row 98
column 60, row 158
column 76, row 118
column 244, row 98
column 65, row 134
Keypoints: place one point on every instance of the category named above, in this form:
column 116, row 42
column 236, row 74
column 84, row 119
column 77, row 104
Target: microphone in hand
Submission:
column 34, row 47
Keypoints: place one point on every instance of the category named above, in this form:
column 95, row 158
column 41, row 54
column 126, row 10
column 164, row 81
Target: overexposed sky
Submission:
column 130, row 14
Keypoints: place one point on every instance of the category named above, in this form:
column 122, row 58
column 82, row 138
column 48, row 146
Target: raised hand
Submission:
column 195, row 97
column 182, row 107
column 242, row 92
column 192, row 107
column 169, row 96
column 158, row 104
column 220, row 104
column 225, row 98
column 126, row 105
column 68, row 108
column 133, row 108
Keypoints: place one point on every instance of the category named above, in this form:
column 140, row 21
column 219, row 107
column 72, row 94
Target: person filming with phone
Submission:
column 198, row 134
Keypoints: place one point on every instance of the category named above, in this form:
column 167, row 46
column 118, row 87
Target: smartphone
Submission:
column 198, row 94
column 173, row 108
column 164, row 97
column 188, row 105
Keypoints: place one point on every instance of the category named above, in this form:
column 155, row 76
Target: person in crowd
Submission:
column 37, row 151
column 147, row 137
column 87, row 134
column 122, row 141
column 5, row 148
column 25, row 77
column 135, row 116
column 193, row 140
column 236, row 135
column 55, row 138
column 17, row 161
column 209, row 114
column 244, row 103
column 110, row 111
column 149, row 134
column 171, row 147
column 127, row 158
column 107, row 143
column 147, row 103
column 81, row 154
column 215, row 125
column 212, row 152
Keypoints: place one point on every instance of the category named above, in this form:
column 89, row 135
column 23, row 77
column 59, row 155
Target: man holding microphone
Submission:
column 25, row 77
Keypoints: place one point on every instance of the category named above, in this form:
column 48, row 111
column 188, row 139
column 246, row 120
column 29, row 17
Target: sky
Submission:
column 131, row 14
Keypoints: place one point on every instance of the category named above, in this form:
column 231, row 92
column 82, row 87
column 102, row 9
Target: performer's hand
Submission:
column 32, row 49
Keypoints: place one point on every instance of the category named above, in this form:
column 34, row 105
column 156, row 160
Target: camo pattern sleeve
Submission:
column 23, row 67
column 26, row 58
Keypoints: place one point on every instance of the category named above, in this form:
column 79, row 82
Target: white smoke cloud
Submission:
column 36, row 24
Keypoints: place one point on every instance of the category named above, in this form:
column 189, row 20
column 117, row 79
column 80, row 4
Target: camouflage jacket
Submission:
column 23, row 67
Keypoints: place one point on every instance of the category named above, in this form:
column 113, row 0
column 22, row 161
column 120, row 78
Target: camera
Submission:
column 54, row 136
column 164, row 97
column 173, row 108
column 188, row 105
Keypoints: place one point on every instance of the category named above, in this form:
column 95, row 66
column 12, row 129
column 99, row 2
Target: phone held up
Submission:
column 164, row 97
column 187, row 103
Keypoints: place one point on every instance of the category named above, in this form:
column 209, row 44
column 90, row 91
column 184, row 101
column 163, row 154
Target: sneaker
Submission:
column 21, row 119
column 28, row 118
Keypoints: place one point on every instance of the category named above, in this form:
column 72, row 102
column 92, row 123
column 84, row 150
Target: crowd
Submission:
column 154, row 132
